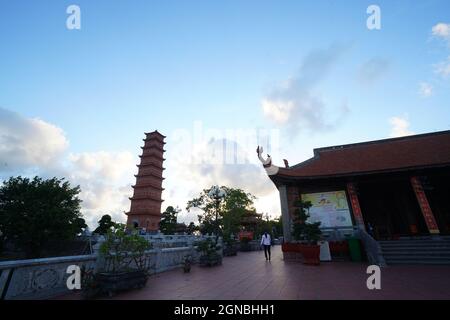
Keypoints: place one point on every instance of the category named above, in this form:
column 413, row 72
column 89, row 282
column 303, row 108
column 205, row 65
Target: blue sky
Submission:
column 136, row 66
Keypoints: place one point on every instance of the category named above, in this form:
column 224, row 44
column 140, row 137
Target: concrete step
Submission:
column 440, row 249
column 416, row 251
column 413, row 241
column 417, row 262
column 416, row 254
column 406, row 245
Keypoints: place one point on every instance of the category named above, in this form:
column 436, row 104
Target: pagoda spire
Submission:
column 145, row 209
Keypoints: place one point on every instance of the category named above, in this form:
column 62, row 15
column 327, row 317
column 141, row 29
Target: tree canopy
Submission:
column 104, row 224
column 230, row 210
column 168, row 223
column 35, row 211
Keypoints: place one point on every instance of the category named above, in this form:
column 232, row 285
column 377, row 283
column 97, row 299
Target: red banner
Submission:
column 246, row 234
column 357, row 213
column 424, row 205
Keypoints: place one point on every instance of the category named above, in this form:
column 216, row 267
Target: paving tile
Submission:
column 250, row 276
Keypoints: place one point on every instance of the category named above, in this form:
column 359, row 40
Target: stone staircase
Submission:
column 419, row 250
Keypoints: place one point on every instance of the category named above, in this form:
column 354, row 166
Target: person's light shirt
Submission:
column 265, row 240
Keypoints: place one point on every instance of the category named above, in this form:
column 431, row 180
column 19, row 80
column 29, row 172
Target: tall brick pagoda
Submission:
column 145, row 211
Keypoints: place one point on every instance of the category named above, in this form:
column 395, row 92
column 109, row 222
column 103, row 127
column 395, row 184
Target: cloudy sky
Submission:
column 217, row 78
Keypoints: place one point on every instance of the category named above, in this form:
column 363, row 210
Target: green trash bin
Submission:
column 355, row 249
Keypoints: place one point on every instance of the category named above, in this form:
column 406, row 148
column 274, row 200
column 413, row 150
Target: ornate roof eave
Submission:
column 145, row 198
column 142, row 165
column 139, row 175
column 271, row 169
column 154, row 139
column 147, row 185
column 150, row 147
column 284, row 176
column 142, row 213
column 152, row 155
column 155, row 132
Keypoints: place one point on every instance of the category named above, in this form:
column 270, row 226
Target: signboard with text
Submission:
column 329, row 208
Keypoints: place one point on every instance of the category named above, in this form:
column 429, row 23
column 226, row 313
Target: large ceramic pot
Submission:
column 308, row 254
column 110, row 283
column 230, row 250
column 210, row 260
column 311, row 254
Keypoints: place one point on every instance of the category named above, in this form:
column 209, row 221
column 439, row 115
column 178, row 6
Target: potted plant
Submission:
column 306, row 234
column 245, row 244
column 209, row 256
column 124, row 255
column 187, row 264
column 230, row 248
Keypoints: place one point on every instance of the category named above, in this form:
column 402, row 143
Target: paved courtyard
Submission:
column 249, row 276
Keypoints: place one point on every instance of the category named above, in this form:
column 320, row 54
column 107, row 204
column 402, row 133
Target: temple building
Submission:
column 145, row 210
column 394, row 188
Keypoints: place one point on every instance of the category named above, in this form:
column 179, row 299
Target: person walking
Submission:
column 266, row 241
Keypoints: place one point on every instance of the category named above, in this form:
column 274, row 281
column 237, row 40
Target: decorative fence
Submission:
column 46, row 278
column 38, row 278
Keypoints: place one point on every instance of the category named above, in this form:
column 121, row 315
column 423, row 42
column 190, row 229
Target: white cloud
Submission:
column 31, row 146
column 188, row 178
column 277, row 111
column 425, row 89
column 105, row 179
column 296, row 102
column 443, row 68
column 28, row 142
column 399, row 127
column 441, row 30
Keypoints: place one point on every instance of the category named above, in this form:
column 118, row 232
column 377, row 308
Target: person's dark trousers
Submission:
column 267, row 250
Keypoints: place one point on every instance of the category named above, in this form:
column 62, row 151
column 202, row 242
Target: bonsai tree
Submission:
column 124, row 254
column 303, row 230
column 230, row 248
column 245, row 244
column 208, row 250
column 104, row 224
column 122, row 248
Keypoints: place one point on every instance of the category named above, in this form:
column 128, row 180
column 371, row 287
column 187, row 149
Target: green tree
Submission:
column 237, row 204
column 230, row 210
column 302, row 229
column 104, row 224
column 191, row 228
column 168, row 224
column 34, row 212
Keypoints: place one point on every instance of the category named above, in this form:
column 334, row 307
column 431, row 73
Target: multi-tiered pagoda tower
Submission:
column 145, row 211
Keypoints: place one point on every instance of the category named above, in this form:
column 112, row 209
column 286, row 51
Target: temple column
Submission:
column 424, row 205
column 354, row 201
column 285, row 216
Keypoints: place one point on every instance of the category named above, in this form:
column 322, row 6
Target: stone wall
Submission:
column 38, row 278
column 46, row 278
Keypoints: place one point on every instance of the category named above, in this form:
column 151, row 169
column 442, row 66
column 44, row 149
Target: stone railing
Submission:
column 372, row 247
column 38, row 278
column 173, row 241
column 46, row 278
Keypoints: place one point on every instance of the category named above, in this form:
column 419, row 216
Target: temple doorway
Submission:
column 391, row 208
